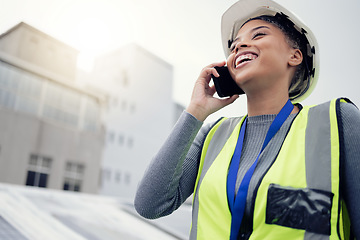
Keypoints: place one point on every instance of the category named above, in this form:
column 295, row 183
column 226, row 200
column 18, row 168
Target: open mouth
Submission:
column 244, row 58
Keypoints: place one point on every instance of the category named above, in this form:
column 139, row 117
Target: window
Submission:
column 74, row 174
column 130, row 142
column 118, row 177
column 19, row 90
column 127, row 178
column 28, row 99
column 62, row 104
column 111, row 136
column 91, row 116
column 9, row 82
column 121, row 139
column 38, row 171
column 27, row 92
column 106, row 175
column 125, row 140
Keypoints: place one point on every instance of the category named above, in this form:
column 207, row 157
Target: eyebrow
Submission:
column 252, row 30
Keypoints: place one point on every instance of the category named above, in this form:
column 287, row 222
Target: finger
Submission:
column 211, row 71
column 217, row 64
column 207, row 73
column 211, row 90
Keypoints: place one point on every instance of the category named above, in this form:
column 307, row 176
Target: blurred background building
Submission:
column 51, row 130
column 138, row 117
column 92, row 132
column 64, row 128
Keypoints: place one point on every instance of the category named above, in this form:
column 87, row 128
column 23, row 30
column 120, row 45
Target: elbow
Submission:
column 145, row 213
column 151, row 208
column 144, row 207
column 142, row 210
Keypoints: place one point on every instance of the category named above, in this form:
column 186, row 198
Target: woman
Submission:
column 283, row 171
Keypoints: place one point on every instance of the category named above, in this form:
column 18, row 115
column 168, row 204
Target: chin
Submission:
column 242, row 79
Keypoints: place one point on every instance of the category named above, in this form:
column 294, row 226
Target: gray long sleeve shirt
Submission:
column 170, row 178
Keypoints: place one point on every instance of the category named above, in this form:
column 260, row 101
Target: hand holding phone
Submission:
column 224, row 84
column 203, row 103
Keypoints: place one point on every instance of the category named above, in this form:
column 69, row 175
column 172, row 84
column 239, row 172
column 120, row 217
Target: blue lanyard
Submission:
column 237, row 205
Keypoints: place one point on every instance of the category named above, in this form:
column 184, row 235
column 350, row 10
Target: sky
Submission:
column 186, row 34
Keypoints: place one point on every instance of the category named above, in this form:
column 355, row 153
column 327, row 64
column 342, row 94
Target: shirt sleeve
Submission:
column 350, row 165
column 170, row 178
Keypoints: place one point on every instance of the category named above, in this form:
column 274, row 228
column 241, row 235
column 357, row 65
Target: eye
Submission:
column 258, row 35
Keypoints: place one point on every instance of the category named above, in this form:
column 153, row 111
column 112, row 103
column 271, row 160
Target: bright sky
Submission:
column 186, row 34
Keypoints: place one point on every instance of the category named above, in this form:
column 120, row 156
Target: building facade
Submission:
column 139, row 115
column 51, row 132
column 90, row 132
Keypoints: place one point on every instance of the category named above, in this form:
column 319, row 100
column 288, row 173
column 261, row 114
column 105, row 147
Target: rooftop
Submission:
column 37, row 213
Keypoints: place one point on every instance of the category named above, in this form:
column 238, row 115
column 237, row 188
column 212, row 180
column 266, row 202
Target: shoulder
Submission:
column 345, row 109
column 349, row 112
column 349, row 120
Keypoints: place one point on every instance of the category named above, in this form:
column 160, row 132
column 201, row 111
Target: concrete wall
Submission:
column 36, row 68
column 23, row 134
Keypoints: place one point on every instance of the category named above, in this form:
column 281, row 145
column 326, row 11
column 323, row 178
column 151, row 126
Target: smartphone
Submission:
column 224, row 84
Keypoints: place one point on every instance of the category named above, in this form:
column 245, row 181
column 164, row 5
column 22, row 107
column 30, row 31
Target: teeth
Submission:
column 241, row 58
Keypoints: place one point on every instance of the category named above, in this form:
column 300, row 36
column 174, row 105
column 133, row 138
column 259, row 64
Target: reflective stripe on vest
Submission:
column 307, row 164
column 222, row 221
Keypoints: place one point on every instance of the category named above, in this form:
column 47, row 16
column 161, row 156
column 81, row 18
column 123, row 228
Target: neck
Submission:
column 263, row 104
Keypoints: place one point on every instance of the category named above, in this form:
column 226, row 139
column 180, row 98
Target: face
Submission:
column 261, row 57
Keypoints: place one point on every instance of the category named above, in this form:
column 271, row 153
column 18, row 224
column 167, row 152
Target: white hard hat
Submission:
column 243, row 10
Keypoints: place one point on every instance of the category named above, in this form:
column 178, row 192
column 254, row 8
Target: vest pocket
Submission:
column 299, row 208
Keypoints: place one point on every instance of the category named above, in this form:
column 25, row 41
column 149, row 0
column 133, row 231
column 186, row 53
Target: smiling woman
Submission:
column 244, row 171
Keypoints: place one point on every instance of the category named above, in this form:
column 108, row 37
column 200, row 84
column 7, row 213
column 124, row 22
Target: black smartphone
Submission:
column 225, row 86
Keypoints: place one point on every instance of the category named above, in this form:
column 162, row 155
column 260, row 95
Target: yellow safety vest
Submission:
column 304, row 175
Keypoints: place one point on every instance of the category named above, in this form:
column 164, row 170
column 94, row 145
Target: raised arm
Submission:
column 171, row 175
column 169, row 180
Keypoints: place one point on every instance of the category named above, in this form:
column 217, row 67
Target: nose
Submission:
column 240, row 45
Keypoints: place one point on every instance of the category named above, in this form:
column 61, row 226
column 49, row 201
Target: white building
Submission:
column 57, row 135
column 51, row 134
column 64, row 129
column 139, row 116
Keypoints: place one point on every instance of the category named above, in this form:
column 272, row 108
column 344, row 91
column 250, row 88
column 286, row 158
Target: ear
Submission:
column 296, row 57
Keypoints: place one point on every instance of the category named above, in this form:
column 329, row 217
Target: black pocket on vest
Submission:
column 300, row 208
